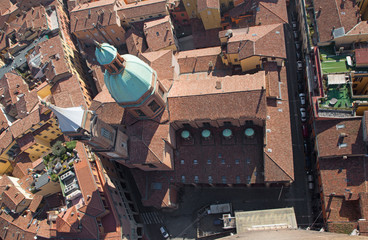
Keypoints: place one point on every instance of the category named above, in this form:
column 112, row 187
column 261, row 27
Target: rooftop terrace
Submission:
column 332, row 62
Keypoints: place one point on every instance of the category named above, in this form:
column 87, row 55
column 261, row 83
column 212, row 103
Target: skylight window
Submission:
column 340, row 126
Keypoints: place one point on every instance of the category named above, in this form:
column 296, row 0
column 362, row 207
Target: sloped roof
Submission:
column 334, row 14
column 328, row 137
column 207, row 4
column 264, row 40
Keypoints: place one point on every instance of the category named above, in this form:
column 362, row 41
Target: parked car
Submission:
column 298, row 56
column 294, row 25
column 296, row 35
column 303, row 114
column 164, row 232
column 300, row 87
column 305, row 130
column 300, row 65
column 297, row 45
column 302, row 98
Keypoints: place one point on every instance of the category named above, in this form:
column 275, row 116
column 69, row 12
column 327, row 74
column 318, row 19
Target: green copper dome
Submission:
column 133, row 82
column 105, row 53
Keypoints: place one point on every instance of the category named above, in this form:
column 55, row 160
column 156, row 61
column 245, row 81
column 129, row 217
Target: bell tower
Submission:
column 131, row 82
column 85, row 126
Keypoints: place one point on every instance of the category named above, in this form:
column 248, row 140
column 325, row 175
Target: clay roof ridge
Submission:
column 287, row 174
column 338, row 10
column 217, row 93
column 275, row 13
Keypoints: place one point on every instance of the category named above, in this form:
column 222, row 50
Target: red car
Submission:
column 305, row 130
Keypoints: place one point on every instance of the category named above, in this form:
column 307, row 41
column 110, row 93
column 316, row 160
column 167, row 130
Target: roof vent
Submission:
column 88, row 197
column 269, row 150
column 345, row 157
column 229, row 33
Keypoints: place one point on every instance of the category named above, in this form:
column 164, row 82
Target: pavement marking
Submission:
column 152, row 218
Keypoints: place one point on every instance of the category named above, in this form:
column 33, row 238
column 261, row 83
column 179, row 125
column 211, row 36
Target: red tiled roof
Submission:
column 279, row 164
column 159, row 33
column 143, row 9
column 67, row 93
column 12, row 198
column 260, row 41
column 204, row 38
column 360, row 28
column 104, row 110
column 206, row 102
column 135, row 42
column 162, row 63
column 329, row 137
column 342, row 181
column 87, row 16
column 6, row 138
column 21, row 168
column 11, row 85
column 207, row 4
column 93, row 203
column 36, row 201
column 22, row 125
column 26, row 103
column 3, row 121
column 147, row 143
column 361, row 56
column 333, row 14
column 200, row 60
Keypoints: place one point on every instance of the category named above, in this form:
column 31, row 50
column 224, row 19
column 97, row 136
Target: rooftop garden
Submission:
column 332, row 62
column 60, row 159
column 337, row 97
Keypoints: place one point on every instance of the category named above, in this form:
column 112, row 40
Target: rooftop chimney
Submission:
column 218, row 85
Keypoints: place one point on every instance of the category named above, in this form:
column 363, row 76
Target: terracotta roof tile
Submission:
column 342, row 181
column 333, row 14
column 278, row 126
column 93, row 203
column 12, row 197
column 147, row 143
column 135, row 42
column 260, row 40
column 159, row 33
column 261, row 12
column 200, row 60
column 104, row 110
column 143, row 9
column 207, row 4
column 360, row 28
column 22, row 125
column 21, row 168
column 361, row 56
column 329, row 137
column 36, row 201
column 6, row 138
column 87, row 16
column 67, row 93
column 204, row 38
column 3, row 121
column 11, row 85
column 26, row 103
column 163, row 62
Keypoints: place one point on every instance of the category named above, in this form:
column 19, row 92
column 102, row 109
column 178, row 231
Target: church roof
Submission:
column 105, row 53
column 70, row 119
column 132, row 83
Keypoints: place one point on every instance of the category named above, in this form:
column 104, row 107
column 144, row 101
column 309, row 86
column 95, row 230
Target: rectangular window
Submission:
column 154, row 106
column 195, row 161
column 182, row 161
column 209, row 161
column 106, row 134
column 196, row 179
column 223, row 178
column 140, row 113
column 206, row 125
column 237, row 161
column 238, row 179
column 161, row 92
